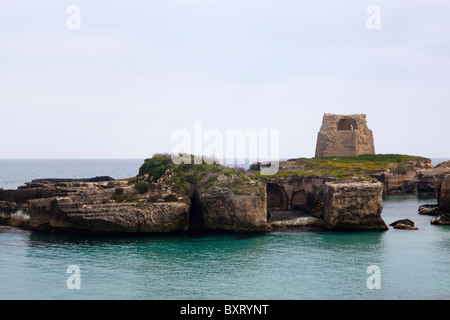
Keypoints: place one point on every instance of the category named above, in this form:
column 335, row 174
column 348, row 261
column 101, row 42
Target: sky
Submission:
column 135, row 71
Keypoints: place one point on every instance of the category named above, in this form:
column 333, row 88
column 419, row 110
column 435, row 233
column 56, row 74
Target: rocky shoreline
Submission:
column 165, row 198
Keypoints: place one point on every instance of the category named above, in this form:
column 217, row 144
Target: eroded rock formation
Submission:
column 353, row 206
column 222, row 209
column 409, row 178
column 443, row 196
column 404, row 224
column 178, row 199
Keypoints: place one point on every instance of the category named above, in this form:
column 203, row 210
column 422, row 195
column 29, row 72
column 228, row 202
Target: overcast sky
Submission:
column 136, row 71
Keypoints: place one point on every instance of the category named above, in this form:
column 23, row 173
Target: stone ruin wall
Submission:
column 344, row 135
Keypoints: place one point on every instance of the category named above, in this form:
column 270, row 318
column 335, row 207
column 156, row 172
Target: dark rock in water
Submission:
column 429, row 209
column 405, row 226
column 442, row 220
column 403, row 221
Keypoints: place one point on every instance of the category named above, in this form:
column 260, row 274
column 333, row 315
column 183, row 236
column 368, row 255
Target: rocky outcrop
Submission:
column 71, row 214
column 181, row 198
column 341, row 136
column 402, row 221
column 442, row 184
column 414, row 177
column 295, row 192
column 404, row 224
column 400, row 181
column 430, row 180
column 429, row 209
column 442, row 220
column 353, row 206
column 222, row 209
column 91, row 207
column 298, row 223
column 443, row 195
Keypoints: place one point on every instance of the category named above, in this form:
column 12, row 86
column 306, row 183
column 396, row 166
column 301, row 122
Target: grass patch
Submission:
column 184, row 177
column 123, row 198
column 344, row 168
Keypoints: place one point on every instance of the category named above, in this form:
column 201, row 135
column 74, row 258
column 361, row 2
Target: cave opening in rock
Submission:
column 196, row 220
column 299, row 200
column 276, row 197
column 347, row 124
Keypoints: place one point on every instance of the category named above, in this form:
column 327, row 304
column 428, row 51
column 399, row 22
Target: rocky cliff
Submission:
column 442, row 184
column 444, row 195
column 221, row 209
column 162, row 198
column 429, row 180
column 413, row 176
column 353, row 206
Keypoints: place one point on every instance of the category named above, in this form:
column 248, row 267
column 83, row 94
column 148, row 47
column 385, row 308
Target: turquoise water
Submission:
column 275, row 265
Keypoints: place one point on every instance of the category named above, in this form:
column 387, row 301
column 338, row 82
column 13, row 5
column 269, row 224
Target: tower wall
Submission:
column 344, row 135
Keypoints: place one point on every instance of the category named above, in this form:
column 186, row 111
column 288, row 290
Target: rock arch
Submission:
column 276, row 197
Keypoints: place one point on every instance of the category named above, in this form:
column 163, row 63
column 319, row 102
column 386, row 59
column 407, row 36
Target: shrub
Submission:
column 156, row 166
column 269, row 213
column 171, row 198
column 123, row 198
column 118, row 191
column 153, row 197
column 320, row 194
column 118, row 197
column 142, row 187
column 240, row 169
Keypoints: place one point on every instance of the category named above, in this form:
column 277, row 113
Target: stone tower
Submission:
column 342, row 136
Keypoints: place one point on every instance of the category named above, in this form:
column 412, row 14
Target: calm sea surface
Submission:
column 274, row 265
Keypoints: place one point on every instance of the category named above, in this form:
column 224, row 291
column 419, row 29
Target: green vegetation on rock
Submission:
column 343, row 168
column 184, row 177
column 142, row 187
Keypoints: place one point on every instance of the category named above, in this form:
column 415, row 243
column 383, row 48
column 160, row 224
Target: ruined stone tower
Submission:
column 342, row 136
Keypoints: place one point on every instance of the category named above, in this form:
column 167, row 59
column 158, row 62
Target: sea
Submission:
column 277, row 265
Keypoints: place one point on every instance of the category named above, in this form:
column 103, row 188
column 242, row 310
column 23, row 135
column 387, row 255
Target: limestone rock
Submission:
column 415, row 176
column 353, row 206
column 341, row 136
column 442, row 219
column 430, row 180
column 405, row 226
column 296, row 223
column 429, row 209
column 404, row 222
column 234, row 203
column 444, row 195
column 221, row 209
column 77, row 215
